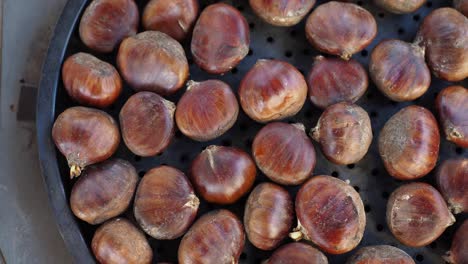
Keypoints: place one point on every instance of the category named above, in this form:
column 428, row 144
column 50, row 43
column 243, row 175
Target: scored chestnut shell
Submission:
column 409, row 143
column 119, row 241
column 217, row 237
column 268, row 215
column 400, row 6
column 165, row 204
column 458, row 253
column 452, row 180
column 330, row 213
column 272, row 90
column 461, row 6
column 147, row 122
column 103, row 191
column 340, row 29
column 221, row 38
column 206, row 110
column 399, row 71
column 417, row 214
column 344, row 132
column 284, row 153
column 334, row 80
column 282, row 13
column 381, row 254
column 85, row 136
column 295, row 253
column 452, row 106
column 105, row 23
column 91, row 81
column 153, row 61
column 444, row 35
column 173, row 17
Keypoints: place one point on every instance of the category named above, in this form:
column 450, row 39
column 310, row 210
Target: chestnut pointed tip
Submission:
column 193, row 201
column 448, row 257
column 191, row 84
column 296, row 235
column 299, row 126
column 75, row 171
column 315, row 133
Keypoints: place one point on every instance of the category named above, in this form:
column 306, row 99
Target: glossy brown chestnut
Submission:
column 221, row 38
column 282, row 13
column 295, row 253
column 458, row 253
column 103, row 191
column 173, row 17
column 444, row 35
column 105, row 23
column 85, row 136
column 206, row 110
column 217, row 237
column 409, row 143
column 452, row 180
column 399, row 71
column 381, row 254
column 344, row 132
column 330, row 213
column 340, row 29
column 284, row 153
column 222, row 175
column 452, row 106
column 165, row 204
column 147, row 123
column 272, row 90
column 461, row 6
column 417, row 214
column 400, row 6
column 334, row 80
column 153, row 61
column 268, row 215
column 118, row 241
column 91, row 81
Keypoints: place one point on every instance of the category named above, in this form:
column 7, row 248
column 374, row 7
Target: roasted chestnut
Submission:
column 399, row 71
column 119, row 241
column 153, row 61
column 344, row 132
column 221, row 38
column 417, row 214
column 268, row 215
column 165, row 204
column 340, row 29
column 85, row 136
column 217, row 237
column 382, row 254
column 443, row 34
column 284, row 153
column 282, row 13
column 409, row 143
column 458, row 253
column 272, row 90
column 452, row 180
column 103, row 191
column 105, row 23
column 222, row 175
column 334, row 80
column 207, row 110
column 461, row 6
column 400, row 6
column 173, row 17
column 295, row 253
column 147, row 122
column 330, row 213
column 452, row 105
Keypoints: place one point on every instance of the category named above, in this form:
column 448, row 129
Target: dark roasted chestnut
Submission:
column 452, row 179
column 295, row 253
column 452, row 105
column 382, row 254
column 400, row 6
column 461, row 6
column 458, row 253
column 282, row 13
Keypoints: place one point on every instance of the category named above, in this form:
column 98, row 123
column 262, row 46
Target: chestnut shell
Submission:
column 381, row 254
column 458, row 253
column 452, row 180
column 400, row 6
column 452, row 106
column 297, row 253
column 283, row 12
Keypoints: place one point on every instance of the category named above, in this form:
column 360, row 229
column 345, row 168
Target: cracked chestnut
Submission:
column 296, row 252
column 381, row 254
column 452, row 106
column 452, row 180
column 282, row 13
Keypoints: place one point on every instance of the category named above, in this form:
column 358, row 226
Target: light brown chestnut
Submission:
column 173, row 17
column 458, row 253
column 330, row 213
column 381, row 254
column 206, row 110
column 340, row 29
column 295, row 253
column 272, row 90
column 103, row 191
column 165, row 204
column 452, row 180
column 105, row 23
column 409, row 143
column 452, row 105
column 334, row 80
column 85, row 136
column 268, row 215
column 222, row 175
column 147, row 122
column 119, row 241
column 461, row 6
column 344, row 132
column 417, row 214
column 221, row 38
column 282, row 13
column 400, row 6
column 153, row 61
column 399, row 71
column 284, row 153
